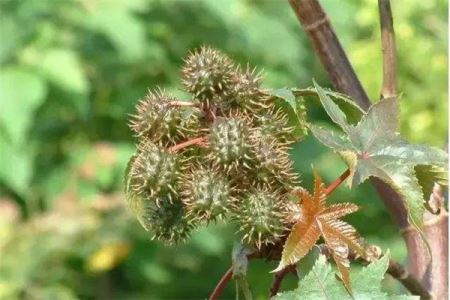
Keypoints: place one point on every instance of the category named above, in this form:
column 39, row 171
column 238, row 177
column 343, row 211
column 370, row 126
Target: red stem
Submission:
column 278, row 278
column 337, row 182
column 197, row 141
column 221, row 285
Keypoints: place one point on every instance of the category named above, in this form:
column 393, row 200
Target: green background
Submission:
column 71, row 73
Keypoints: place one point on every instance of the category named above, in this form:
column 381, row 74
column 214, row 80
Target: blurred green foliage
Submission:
column 72, row 71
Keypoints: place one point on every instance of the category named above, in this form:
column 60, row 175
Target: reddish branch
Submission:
column 434, row 275
column 200, row 141
column 222, row 284
column 330, row 52
column 337, row 182
column 410, row 282
column 388, row 48
column 278, row 278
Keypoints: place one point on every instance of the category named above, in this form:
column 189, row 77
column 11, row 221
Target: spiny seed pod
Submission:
column 272, row 162
column 275, row 122
column 206, row 73
column 260, row 217
column 226, row 155
column 154, row 172
column 247, row 89
column 168, row 222
column 229, row 142
column 159, row 119
column 206, row 193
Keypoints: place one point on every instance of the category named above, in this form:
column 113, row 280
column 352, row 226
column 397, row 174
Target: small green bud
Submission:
column 154, row 172
column 207, row 73
column 229, row 142
column 260, row 217
column 206, row 193
column 159, row 120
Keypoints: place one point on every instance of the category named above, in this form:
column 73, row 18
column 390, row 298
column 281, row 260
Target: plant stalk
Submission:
column 200, row 141
column 328, row 48
column 337, row 182
column 222, row 284
column 388, row 48
column 278, row 278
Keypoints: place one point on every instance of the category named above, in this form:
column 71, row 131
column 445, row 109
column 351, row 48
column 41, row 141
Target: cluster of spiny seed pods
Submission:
column 221, row 155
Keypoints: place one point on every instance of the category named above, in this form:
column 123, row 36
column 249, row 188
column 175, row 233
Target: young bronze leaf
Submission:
column 339, row 251
column 319, row 220
column 304, row 234
column 346, row 233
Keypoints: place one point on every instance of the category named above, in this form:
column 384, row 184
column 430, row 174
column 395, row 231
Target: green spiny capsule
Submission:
column 159, row 119
column 168, row 221
column 247, row 90
column 206, row 73
column 229, row 143
column 206, row 193
column 260, row 217
column 274, row 122
column 272, row 162
column 154, row 172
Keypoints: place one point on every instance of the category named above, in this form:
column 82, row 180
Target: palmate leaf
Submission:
column 321, row 284
column 318, row 220
column 374, row 148
column 292, row 102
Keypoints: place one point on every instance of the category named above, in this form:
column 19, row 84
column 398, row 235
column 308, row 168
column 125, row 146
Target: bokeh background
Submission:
column 71, row 73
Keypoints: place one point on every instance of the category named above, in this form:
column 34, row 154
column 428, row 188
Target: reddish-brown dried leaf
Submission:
column 316, row 219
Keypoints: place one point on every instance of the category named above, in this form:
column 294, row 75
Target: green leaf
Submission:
column 16, row 166
column 321, row 283
column 428, row 176
column 286, row 95
column 119, row 24
column 330, row 138
column 352, row 111
column 12, row 34
column 333, row 110
column 63, row 68
column 21, row 93
column 295, row 109
column 374, row 148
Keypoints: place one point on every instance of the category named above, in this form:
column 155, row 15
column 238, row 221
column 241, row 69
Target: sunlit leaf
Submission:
column 321, row 284
column 373, row 148
column 63, row 68
column 21, row 93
